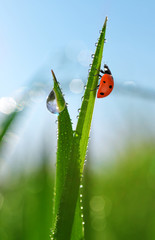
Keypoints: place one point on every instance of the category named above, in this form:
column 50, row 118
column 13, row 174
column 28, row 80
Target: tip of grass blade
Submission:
column 105, row 22
column 54, row 77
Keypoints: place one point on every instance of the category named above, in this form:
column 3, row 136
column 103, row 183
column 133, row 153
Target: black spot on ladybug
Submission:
column 101, row 93
column 104, row 81
column 110, row 86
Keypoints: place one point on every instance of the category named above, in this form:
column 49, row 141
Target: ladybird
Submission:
column 106, row 83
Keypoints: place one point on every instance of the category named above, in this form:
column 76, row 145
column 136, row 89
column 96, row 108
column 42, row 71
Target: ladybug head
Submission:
column 106, row 69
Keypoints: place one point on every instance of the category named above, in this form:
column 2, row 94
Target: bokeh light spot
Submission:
column 97, row 203
column 7, row 105
column 76, row 86
column 84, row 57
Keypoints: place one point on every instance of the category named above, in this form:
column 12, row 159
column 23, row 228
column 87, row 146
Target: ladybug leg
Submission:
column 97, row 75
column 95, row 88
column 102, row 71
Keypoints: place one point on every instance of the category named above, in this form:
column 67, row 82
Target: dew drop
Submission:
column 96, row 44
column 105, row 40
column 56, row 123
column 81, row 186
column 100, row 31
column 83, row 223
column 90, row 65
column 81, row 207
column 92, row 55
column 82, row 215
column 79, row 110
column 80, row 195
column 82, row 98
column 77, row 116
column 85, row 86
column 53, row 105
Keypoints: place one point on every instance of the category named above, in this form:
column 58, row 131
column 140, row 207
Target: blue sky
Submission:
column 32, row 30
column 35, row 36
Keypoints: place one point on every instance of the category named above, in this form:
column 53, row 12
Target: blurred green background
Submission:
column 119, row 175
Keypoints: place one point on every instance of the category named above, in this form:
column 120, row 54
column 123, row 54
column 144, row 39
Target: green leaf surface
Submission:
column 64, row 144
column 71, row 155
column 70, row 193
column 6, row 124
column 66, row 171
column 85, row 116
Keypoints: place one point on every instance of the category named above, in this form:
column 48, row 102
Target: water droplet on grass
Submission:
column 82, row 98
column 53, row 105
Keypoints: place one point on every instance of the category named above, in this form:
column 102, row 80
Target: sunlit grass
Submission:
column 118, row 199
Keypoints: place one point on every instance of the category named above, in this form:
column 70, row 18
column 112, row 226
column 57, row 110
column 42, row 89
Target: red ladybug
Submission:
column 106, row 83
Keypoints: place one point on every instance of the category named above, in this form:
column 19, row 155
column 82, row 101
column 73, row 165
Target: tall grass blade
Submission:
column 73, row 149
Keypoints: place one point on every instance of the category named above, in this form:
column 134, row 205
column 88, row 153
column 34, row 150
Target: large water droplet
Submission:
column 53, row 105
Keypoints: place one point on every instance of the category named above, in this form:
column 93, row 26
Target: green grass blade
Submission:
column 64, row 145
column 78, row 227
column 64, row 163
column 6, row 124
column 70, row 193
column 76, row 151
column 65, row 142
column 64, row 160
column 85, row 116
